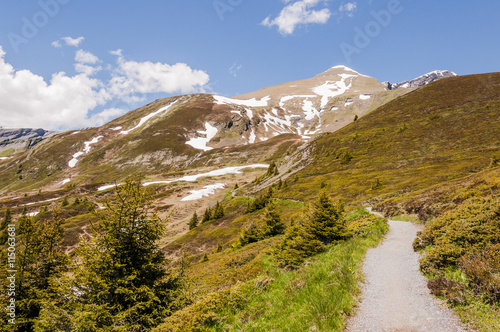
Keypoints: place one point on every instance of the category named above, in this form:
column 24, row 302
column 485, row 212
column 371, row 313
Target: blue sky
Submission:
column 228, row 47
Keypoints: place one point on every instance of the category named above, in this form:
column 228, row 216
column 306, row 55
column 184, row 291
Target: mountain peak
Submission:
column 421, row 80
column 343, row 69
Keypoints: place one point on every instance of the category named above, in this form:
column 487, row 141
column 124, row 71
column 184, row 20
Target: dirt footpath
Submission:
column 395, row 296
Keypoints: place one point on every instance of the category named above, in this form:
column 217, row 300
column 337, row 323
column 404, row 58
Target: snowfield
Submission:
column 200, row 143
column 206, row 191
column 332, row 89
column 72, row 163
column 192, row 178
column 147, row 117
column 249, row 103
column 364, row 97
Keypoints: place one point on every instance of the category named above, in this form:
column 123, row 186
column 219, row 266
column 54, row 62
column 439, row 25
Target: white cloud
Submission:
column 84, row 60
column 233, row 70
column 68, row 102
column 73, row 41
column 298, row 13
column 28, row 101
column 82, row 56
column 133, row 77
column 68, row 41
column 348, row 8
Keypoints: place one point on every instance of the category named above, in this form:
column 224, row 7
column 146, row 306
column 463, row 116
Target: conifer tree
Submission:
column 193, row 223
column 39, row 258
column 120, row 282
column 273, row 224
column 250, row 234
column 218, row 212
column 65, row 201
column 326, row 220
column 271, row 170
column 207, row 215
column 297, row 245
column 7, row 219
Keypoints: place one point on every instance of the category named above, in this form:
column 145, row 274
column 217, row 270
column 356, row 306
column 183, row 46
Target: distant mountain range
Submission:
column 421, row 80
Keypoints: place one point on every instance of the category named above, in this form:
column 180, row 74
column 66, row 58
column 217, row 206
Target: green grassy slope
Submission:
column 443, row 131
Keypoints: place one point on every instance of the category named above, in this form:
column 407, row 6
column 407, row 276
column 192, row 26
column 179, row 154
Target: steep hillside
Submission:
column 440, row 132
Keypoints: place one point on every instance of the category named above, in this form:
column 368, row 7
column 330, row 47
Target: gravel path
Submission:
column 395, row 294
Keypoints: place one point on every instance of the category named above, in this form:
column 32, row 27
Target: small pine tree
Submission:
column 356, row 117
column 236, row 186
column 193, row 223
column 250, row 234
column 7, row 219
column 204, row 258
column 218, row 212
column 271, row 170
column 219, row 247
column 273, row 224
column 326, row 220
column 77, row 201
column 65, row 201
column 297, row 245
column 207, row 215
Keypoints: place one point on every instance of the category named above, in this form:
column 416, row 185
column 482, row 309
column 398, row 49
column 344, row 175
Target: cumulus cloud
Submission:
column 26, row 100
column 298, row 13
column 68, row 41
column 85, row 61
column 68, row 102
column 82, row 56
column 131, row 77
column 348, row 8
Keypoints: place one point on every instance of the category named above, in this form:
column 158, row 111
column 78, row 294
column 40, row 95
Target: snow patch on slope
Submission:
column 364, row 97
column 200, row 143
column 332, row 89
column 249, row 103
column 283, row 100
column 309, row 111
column 192, row 178
column 206, row 191
column 147, row 117
column 72, row 163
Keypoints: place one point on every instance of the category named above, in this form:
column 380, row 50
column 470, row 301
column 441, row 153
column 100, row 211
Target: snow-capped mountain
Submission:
column 421, row 80
column 204, row 129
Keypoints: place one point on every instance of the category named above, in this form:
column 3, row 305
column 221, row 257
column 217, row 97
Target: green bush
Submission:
column 472, row 226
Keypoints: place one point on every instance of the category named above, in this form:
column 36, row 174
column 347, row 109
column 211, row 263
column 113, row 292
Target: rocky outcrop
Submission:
column 16, row 140
column 420, row 81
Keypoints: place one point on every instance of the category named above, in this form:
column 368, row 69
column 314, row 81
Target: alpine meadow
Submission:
column 140, row 195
